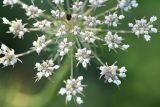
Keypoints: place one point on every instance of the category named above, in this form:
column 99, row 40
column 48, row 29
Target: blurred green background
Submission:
column 141, row 88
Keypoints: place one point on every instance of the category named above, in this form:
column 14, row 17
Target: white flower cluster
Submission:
column 40, row 43
column 16, row 27
column 64, row 47
column 142, row 27
column 127, row 5
column 9, row 57
column 45, row 69
column 32, row 11
column 114, row 41
column 112, row 73
column 113, row 19
column 96, row 3
column 83, row 56
column 76, row 29
column 73, row 87
column 88, row 36
column 62, row 31
column 43, row 25
column 10, row 2
column 77, row 6
column 91, row 21
column 58, row 14
column 58, row 1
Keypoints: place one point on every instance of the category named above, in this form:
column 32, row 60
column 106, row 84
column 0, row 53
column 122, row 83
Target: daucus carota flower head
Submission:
column 45, row 69
column 72, row 31
column 126, row 5
column 142, row 27
column 72, row 89
column 112, row 73
column 9, row 57
column 16, row 27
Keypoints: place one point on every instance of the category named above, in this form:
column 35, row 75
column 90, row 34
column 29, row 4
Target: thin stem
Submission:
column 68, row 6
column 71, row 63
column 98, row 59
column 107, row 11
column 30, row 51
column 106, row 30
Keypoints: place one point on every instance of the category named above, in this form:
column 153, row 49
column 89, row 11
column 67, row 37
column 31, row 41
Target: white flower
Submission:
column 45, row 69
column 142, row 27
column 114, row 41
column 126, row 5
column 76, row 30
column 91, row 21
column 58, row 1
column 113, row 19
column 16, row 27
column 96, row 3
column 9, row 57
column 64, row 47
column 43, row 25
column 88, row 36
column 77, row 6
column 112, row 73
column 83, row 56
column 10, row 2
column 40, row 43
column 58, row 14
column 62, row 31
column 32, row 11
column 72, row 88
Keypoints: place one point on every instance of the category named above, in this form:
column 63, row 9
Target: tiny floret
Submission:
column 88, row 36
column 112, row 73
column 127, row 5
column 72, row 89
column 57, row 14
column 142, row 27
column 40, row 44
column 114, row 41
column 58, row 1
column 83, row 56
column 9, row 57
column 113, row 19
column 42, row 25
column 32, row 11
column 16, row 27
column 45, row 69
column 10, row 2
column 64, row 47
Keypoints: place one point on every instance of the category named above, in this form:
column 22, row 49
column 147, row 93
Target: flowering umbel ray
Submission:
column 74, row 29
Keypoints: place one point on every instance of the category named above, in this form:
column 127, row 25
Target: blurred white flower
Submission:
column 45, row 69
column 142, row 27
column 72, row 89
column 9, row 57
column 16, row 27
column 43, row 25
column 114, row 41
column 126, row 5
column 58, row 14
column 112, row 73
column 32, row 11
column 10, row 2
column 113, row 19
column 40, row 43
column 64, row 47
column 83, row 56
